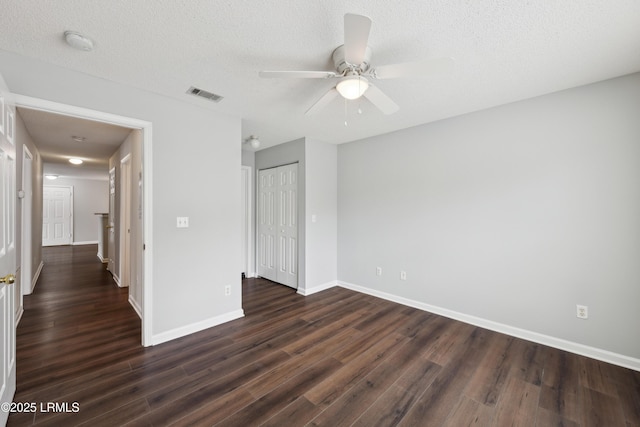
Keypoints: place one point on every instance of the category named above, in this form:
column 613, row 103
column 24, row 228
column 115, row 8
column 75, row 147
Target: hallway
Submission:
column 77, row 329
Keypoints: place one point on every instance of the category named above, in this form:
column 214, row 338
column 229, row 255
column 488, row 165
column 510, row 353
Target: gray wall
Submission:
column 23, row 139
column 132, row 146
column 317, row 196
column 322, row 202
column 89, row 197
column 513, row 214
column 191, row 267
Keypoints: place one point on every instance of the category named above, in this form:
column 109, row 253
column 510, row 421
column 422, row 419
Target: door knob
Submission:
column 8, row 279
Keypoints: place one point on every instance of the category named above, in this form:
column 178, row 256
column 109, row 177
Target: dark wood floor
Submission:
column 336, row 358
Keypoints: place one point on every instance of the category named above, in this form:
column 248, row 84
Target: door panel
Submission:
column 7, row 250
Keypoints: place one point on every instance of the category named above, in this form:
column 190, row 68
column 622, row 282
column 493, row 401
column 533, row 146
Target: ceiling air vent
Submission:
column 204, row 94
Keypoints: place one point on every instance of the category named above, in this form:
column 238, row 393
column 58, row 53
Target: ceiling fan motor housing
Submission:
column 343, row 66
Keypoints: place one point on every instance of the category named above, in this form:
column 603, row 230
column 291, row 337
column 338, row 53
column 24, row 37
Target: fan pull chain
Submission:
column 345, row 112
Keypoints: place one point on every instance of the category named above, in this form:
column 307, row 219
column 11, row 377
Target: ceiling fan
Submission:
column 354, row 70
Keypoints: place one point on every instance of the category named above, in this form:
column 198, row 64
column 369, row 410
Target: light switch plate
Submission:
column 183, row 222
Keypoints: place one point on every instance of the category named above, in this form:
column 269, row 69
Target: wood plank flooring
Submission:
column 336, row 358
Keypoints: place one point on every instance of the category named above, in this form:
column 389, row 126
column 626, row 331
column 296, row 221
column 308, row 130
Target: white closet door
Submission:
column 287, row 229
column 278, row 224
column 266, row 224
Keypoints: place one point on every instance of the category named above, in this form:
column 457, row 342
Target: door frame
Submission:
column 124, row 266
column 147, row 220
column 248, row 254
column 26, row 235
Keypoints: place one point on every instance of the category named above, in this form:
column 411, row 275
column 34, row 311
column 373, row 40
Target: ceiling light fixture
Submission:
column 254, row 141
column 78, row 41
column 75, row 161
column 51, row 176
column 78, row 138
column 352, row 87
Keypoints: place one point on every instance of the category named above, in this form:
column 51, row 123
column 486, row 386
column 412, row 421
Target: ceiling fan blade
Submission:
column 322, row 102
column 298, row 74
column 356, row 37
column 423, row 68
column 380, row 100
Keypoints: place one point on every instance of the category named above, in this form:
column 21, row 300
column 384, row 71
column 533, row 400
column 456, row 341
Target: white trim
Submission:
column 559, row 343
column 146, row 127
column 124, row 192
column 196, row 327
column 318, row 288
column 26, row 230
column 136, row 306
column 103, row 259
column 116, row 279
column 250, row 269
column 36, row 275
column 88, row 242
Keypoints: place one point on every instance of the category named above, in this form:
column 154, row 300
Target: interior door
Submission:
column 57, row 215
column 7, row 251
column 278, row 224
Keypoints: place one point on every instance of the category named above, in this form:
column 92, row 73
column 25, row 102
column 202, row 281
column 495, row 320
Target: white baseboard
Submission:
column 91, row 242
column 19, row 315
column 318, row 288
column 135, row 306
column 196, row 327
column 581, row 349
column 35, row 279
column 116, row 279
column 102, row 259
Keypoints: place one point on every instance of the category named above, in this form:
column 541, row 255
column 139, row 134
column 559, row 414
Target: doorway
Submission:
column 146, row 206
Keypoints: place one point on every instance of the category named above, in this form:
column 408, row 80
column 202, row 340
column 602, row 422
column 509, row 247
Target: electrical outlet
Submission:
column 227, row 290
column 182, row 222
column 378, row 271
column 582, row 311
column 403, row 275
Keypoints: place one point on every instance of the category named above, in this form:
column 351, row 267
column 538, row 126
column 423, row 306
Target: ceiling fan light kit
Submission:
column 253, row 141
column 352, row 87
column 352, row 63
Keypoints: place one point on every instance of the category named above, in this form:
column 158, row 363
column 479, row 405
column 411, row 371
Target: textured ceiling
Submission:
column 505, row 50
column 53, row 134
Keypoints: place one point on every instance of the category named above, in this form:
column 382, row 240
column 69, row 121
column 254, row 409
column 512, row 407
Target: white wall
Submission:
column 511, row 215
column 191, row 266
column 89, row 197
